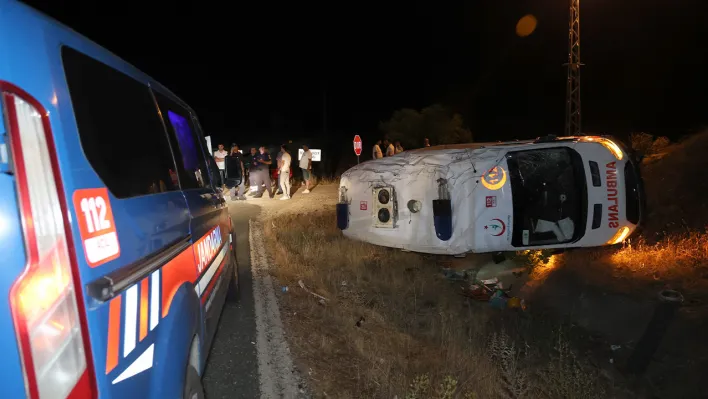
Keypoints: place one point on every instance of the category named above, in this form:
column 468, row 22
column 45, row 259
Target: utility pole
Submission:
column 572, row 101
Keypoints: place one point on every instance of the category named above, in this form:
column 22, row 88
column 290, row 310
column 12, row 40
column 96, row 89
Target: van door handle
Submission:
column 114, row 283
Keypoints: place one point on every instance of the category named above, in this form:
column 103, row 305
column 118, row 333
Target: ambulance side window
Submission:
column 119, row 128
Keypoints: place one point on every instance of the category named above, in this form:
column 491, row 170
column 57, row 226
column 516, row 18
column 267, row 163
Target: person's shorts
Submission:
column 306, row 174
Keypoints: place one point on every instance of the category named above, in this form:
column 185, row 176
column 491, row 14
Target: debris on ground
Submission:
column 318, row 296
column 493, row 291
column 454, row 275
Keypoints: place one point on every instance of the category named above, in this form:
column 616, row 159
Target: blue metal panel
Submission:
column 30, row 58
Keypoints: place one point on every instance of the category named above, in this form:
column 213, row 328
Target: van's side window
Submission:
column 119, row 128
column 193, row 170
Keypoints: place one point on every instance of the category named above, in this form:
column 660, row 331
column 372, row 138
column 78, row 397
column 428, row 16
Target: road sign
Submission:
column 357, row 145
column 316, row 154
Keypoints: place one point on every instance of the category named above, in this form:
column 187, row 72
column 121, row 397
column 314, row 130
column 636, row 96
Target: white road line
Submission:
column 277, row 375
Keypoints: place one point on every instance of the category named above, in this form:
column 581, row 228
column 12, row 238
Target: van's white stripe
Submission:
column 206, row 278
column 154, row 299
column 142, row 363
column 131, row 320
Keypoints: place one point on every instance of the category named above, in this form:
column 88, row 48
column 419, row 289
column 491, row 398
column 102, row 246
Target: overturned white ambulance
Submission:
column 492, row 197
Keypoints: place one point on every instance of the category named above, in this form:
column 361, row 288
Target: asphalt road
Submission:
column 232, row 368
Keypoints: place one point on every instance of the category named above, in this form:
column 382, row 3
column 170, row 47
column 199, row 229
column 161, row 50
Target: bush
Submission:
column 641, row 142
column 659, row 145
column 645, row 144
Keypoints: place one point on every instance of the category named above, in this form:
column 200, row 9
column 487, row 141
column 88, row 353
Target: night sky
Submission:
column 259, row 69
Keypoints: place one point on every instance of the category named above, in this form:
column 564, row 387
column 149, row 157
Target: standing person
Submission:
column 219, row 157
column 234, row 166
column 390, row 150
column 376, row 151
column 262, row 162
column 252, row 174
column 306, row 166
column 284, row 172
column 426, row 142
column 277, row 162
column 399, row 147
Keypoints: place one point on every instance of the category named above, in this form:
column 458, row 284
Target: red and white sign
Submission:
column 363, row 206
column 357, row 145
column 96, row 225
column 491, row 201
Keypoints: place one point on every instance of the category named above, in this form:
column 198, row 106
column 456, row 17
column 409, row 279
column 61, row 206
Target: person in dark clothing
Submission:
column 262, row 162
column 235, row 173
column 253, row 189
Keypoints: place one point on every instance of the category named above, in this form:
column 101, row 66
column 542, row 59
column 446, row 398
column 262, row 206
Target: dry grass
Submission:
column 679, row 261
column 418, row 338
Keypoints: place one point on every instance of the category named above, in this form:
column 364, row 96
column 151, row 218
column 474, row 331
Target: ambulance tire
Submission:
column 193, row 388
column 234, row 290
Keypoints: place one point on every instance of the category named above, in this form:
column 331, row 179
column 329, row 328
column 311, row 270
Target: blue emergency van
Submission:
column 117, row 246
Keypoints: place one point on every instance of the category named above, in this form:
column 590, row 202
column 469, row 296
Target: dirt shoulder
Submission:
column 392, row 325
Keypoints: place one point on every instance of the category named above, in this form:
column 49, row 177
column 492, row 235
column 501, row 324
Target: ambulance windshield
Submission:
column 549, row 196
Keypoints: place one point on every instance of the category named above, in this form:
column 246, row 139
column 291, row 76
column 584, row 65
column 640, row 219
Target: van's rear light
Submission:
column 44, row 299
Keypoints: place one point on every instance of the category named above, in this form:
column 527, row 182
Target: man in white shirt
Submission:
column 277, row 162
column 284, row 172
column 376, row 151
column 306, row 166
column 219, row 157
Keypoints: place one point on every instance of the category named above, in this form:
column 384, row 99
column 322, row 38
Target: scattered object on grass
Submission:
column 516, row 303
column 476, row 292
column 615, row 347
column 492, row 291
column 498, row 300
column 320, row 297
column 492, row 281
column 361, row 321
column 454, row 275
column 285, row 289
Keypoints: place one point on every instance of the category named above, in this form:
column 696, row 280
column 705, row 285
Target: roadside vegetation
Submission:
column 392, row 326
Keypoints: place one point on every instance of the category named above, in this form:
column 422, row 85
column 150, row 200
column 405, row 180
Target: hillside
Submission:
column 677, row 188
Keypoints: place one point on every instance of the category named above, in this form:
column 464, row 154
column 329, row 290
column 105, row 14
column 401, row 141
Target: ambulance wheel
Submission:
column 193, row 388
column 234, row 290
